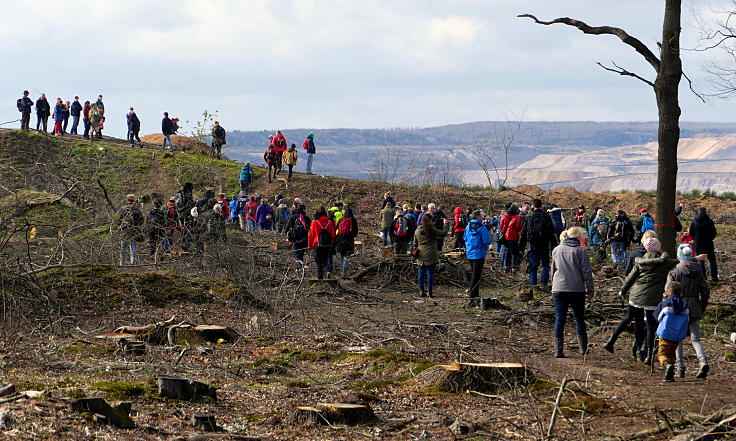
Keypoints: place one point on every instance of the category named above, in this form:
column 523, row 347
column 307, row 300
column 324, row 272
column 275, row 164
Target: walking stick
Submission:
column 655, row 345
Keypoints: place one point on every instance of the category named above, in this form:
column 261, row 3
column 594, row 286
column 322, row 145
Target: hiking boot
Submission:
column 669, row 373
column 634, row 352
column 609, row 346
column 559, row 348
column 648, row 361
column 703, row 370
column 583, row 343
column 429, row 294
column 642, row 355
column 423, row 293
column 680, row 372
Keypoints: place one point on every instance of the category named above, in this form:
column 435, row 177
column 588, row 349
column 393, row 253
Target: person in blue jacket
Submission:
column 477, row 238
column 673, row 316
column 234, row 210
column 246, row 177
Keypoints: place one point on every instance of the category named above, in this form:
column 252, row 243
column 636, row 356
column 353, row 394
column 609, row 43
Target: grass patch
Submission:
column 590, row 404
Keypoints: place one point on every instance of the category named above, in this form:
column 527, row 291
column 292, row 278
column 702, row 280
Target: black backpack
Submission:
column 324, row 239
column 271, row 155
column 155, row 222
column 462, row 221
column 535, row 232
column 298, row 231
column 20, row 104
column 184, row 202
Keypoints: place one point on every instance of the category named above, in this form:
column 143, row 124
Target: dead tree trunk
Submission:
column 668, row 67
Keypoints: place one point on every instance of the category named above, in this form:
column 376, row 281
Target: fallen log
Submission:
column 480, row 377
column 117, row 416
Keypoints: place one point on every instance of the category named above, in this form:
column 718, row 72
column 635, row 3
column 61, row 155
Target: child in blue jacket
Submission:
column 673, row 316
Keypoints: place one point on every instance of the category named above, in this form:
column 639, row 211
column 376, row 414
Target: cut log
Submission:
column 198, row 334
column 98, row 406
column 480, row 377
column 332, row 413
column 205, row 423
column 132, row 347
column 6, row 389
column 180, row 388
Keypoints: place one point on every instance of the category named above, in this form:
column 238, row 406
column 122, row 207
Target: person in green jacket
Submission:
column 644, row 285
column 387, row 219
column 427, row 255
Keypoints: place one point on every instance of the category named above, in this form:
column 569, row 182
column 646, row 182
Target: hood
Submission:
column 188, row 187
column 620, row 218
column 702, row 218
column 691, row 267
column 513, row 210
column 458, row 210
column 678, row 304
column 651, row 259
column 474, row 227
column 571, row 242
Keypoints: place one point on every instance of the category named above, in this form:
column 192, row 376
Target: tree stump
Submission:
column 205, row 423
column 201, row 334
column 180, row 388
column 98, row 406
column 332, row 413
column 479, row 377
column 132, row 347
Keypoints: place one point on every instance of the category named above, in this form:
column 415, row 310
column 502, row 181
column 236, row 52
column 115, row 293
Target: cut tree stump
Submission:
column 205, row 423
column 132, row 347
column 332, row 413
column 193, row 334
column 117, row 416
column 180, row 388
column 479, row 377
column 6, row 389
column 486, row 303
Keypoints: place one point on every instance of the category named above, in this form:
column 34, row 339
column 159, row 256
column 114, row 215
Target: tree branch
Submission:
column 603, row 30
column 621, row 71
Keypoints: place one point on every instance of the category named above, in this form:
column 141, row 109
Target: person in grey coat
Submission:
column 572, row 278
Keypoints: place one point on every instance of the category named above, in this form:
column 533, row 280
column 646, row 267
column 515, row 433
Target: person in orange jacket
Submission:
column 321, row 239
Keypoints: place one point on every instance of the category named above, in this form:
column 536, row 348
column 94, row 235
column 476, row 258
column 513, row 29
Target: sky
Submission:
column 271, row 64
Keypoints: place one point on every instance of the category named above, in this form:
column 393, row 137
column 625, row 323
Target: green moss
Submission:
column 722, row 317
column 121, row 390
column 89, row 350
column 592, row 405
column 542, row 384
column 730, row 356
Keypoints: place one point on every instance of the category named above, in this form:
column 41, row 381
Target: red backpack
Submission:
column 345, row 226
column 305, row 144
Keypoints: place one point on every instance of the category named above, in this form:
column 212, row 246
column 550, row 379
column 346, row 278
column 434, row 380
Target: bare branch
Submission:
column 621, row 71
column 603, row 30
column 690, row 83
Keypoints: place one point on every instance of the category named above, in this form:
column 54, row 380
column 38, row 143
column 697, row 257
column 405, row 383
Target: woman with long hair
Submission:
column 426, row 254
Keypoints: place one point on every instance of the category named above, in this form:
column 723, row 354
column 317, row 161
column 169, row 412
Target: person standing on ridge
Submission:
column 101, row 110
column 85, row 118
column 290, row 158
column 24, row 107
column 43, row 111
column 218, row 139
column 135, row 128
column 66, row 113
column 167, row 128
column 75, row 111
column 58, row 117
column 460, row 222
column 309, row 146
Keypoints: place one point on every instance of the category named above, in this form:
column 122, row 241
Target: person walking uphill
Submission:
column 129, row 222
column 167, row 129
column 538, row 232
column 572, row 278
column 477, row 239
column 309, row 146
column 25, row 105
column 696, row 293
column 673, row 316
column 297, row 232
column 703, row 231
column 135, row 128
column 644, row 285
column 321, row 240
column 246, row 177
column 289, row 159
column 271, row 156
column 218, row 139
column 426, row 252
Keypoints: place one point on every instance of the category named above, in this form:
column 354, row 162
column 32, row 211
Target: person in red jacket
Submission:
column 251, row 207
column 271, row 156
column 225, row 206
column 511, row 225
column 321, row 239
column 461, row 221
column 281, row 146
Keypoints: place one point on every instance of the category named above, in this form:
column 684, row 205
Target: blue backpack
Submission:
column 674, row 326
column 647, row 223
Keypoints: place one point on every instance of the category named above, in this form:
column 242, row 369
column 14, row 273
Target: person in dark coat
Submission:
column 620, row 234
column 75, row 111
column 703, row 231
column 155, row 228
column 638, row 251
column 538, row 232
column 24, row 107
column 43, row 111
column 135, row 128
column 297, row 232
column 167, row 129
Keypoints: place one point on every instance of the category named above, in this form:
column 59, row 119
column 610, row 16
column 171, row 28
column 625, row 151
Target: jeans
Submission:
column 535, row 258
column 386, row 236
column 713, row 266
column 86, row 127
column 42, row 121
column 563, row 301
column 131, row 248
column 344, row 259
column 503, row 252
column 637, row 316
column 75, row 124
column 512, row 254
column 321, row 256
column 167, row 139
column 476, row 266
column 695, row 340
column 298, row 250
column 251, row 224
column 291, row 170
column 66, row 123
column 618, row 253
column 428, row 272
column 310, row 160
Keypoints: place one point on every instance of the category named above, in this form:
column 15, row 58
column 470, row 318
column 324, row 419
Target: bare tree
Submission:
column 720, row 33
column 668, row 69
column 492, row 154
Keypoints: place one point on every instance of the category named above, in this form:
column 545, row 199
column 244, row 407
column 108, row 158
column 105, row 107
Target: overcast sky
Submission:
column 267, row 64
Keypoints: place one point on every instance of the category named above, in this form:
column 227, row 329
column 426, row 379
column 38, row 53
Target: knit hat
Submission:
column 685, row 252
column 600, row 213
column 651, row 244
column 642, row 211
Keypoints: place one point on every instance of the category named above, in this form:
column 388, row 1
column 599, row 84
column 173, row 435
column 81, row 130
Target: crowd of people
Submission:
column 92, row 115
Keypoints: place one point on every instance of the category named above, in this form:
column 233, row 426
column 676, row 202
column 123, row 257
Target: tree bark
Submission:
column 666, row 88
